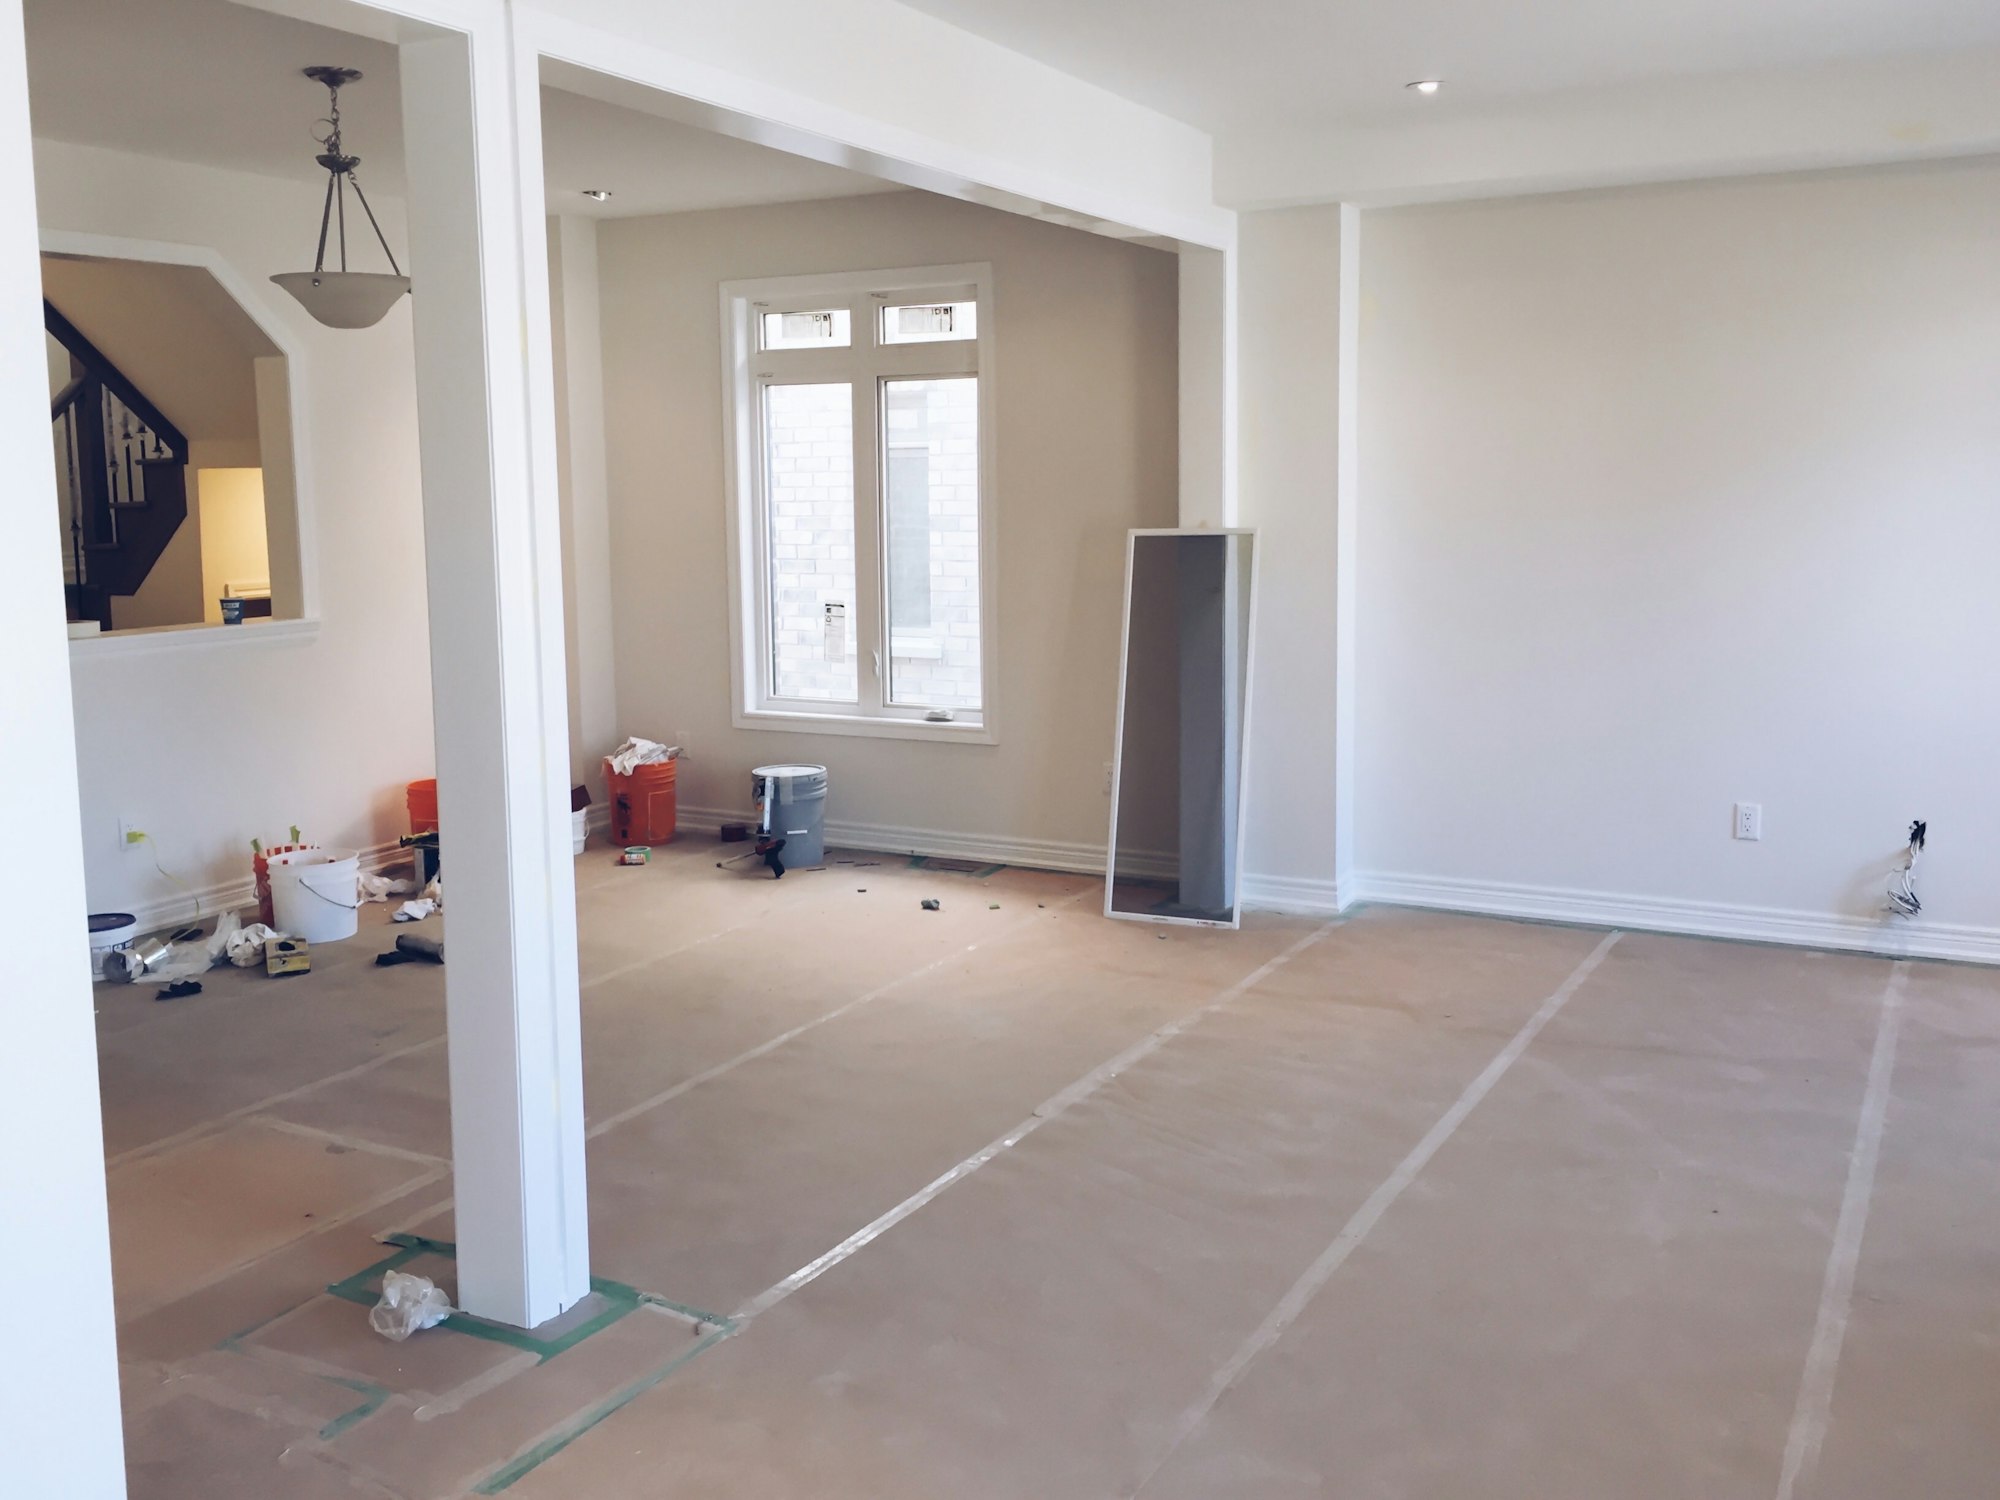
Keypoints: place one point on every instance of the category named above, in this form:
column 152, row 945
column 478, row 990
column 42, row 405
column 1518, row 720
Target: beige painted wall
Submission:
column 177, row 335
column 234, row 545
column 1678, row 497
column 1085, row 365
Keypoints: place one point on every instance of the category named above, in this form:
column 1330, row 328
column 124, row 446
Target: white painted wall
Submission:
column 1085, row 365
column 207, row 748
column 1677, row 497
column 59, row 1377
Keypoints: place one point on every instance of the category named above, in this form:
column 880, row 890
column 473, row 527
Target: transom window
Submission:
column 862, row 515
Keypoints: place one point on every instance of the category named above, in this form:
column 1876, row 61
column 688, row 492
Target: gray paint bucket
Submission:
column 793, row 800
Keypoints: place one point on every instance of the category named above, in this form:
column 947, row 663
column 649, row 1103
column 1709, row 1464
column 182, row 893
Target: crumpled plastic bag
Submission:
column 638, row 752
column 409, row 1305
column 414, row 911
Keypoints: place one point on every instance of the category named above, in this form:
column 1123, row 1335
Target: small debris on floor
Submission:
column 287, row 955
column 993, row 906
column 931, row 903
column 636, row 854
column 861, row 890
column 412, row 947
column 179, row 991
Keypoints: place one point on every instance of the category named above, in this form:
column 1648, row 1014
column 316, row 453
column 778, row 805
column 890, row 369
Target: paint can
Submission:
column 791, row 805
column 109, row 932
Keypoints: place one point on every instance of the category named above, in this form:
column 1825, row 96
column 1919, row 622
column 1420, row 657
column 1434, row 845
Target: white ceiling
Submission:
column 216, row 83
column 1228, row 65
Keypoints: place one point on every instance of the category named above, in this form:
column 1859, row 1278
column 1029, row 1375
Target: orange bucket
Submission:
column 643, row 804
column 422, row 801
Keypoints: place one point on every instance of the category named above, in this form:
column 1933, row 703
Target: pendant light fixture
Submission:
column 343, row 298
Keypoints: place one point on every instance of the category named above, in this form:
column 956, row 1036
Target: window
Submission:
column 860, row 412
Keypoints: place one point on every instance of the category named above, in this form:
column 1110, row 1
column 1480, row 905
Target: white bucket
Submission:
column 315, row 894
column 579, row 828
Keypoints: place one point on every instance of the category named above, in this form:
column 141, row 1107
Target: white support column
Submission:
column 579, row 392
column 1298, row 293
column 59, row 1418
column 1207, row 387
column 492, row 535
column 1346, row 574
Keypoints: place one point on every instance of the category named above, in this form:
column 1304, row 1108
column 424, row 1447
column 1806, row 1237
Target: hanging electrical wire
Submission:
column 1903, row 889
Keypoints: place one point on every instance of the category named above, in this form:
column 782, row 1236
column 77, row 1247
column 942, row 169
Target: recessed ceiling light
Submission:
column 599, row 194
column 1426, row 85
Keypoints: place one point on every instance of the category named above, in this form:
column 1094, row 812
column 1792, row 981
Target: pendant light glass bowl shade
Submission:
column 345, row 299
column 342, row 298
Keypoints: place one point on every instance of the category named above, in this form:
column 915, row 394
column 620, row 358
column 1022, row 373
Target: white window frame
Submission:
column 747, row 368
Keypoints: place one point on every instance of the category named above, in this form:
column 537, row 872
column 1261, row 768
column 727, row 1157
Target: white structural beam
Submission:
column 492, row 538
column 59, row 1420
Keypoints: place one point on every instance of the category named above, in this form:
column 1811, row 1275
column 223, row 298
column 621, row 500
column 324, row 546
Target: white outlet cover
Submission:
column 1749, row 820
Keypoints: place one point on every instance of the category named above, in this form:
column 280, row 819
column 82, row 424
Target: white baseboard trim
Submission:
column 1756, row 924
column 889, row 838
column 178, row 908
column 1290, row 893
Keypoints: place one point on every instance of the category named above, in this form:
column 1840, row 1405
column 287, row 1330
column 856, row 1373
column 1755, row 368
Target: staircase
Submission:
column 121, row 475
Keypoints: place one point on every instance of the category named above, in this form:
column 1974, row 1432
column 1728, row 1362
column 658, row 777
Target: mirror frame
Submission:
column 1243, row 749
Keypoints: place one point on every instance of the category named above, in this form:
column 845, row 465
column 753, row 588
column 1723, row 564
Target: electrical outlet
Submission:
column 1749, row 820
column 129, row 835
column 1108, row 768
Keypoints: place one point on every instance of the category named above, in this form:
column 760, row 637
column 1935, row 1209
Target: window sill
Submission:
column 182, row 638
column 865, row 726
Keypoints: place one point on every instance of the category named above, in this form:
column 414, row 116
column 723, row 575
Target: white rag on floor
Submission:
column 242, row 946
column 637, row 752
column 380, row 887
column 414, row 911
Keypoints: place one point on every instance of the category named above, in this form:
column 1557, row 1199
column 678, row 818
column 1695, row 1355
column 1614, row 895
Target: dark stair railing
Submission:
column 123, row 467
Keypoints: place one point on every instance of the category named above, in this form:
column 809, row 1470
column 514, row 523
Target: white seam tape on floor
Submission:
column 221, row 1122
column 709, row 1075
column 1378, row 1203
column 665, row 1096
column 1836, row 1298
column 1045, row 1112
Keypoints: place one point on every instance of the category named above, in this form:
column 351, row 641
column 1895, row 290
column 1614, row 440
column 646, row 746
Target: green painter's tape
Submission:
column 362, row 1288
column 526, row 1463
column 373, row 1396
